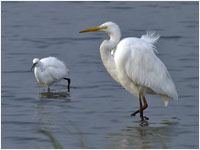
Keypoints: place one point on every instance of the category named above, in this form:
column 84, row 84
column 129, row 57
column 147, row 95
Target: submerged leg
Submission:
column 48, row 89
column 143, row 108
column 69, row 81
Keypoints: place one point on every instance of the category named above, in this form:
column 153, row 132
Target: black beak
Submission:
column 33, row 66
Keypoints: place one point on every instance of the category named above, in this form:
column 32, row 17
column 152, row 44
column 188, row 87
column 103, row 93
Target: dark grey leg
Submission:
column 69, row 81
column 141, row 108
column 48, row 89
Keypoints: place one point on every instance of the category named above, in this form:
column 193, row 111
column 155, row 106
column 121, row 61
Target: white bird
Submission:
column 50, row 70
column 132, row 63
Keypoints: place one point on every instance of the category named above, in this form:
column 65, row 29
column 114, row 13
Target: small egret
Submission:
column 132, row 63
column 50, row 70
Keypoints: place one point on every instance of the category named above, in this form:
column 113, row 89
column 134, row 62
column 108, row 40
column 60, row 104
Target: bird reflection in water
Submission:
column 144, row 123
column 154, row 136
column 54, row 95
column 59, row 102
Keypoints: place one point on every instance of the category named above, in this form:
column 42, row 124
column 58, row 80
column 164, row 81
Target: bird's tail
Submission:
column 150, row 37
column 165, row 100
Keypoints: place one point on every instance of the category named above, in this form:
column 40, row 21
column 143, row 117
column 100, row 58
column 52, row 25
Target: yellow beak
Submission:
column 90, row 29
column 93, row 29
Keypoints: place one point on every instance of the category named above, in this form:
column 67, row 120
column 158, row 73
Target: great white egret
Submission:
column 132, row 63
column 50, row 70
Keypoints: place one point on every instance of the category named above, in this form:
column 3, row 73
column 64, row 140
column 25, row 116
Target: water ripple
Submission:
column 171, row 37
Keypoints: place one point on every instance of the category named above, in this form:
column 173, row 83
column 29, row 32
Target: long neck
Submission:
column 40, row 67
column 115, row 38
column 108, row 60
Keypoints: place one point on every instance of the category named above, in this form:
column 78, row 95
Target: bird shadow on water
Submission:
column 144, row 135
column 54, row 95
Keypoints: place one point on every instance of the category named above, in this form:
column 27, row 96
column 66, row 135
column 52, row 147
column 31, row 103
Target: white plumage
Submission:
column 132, row 62
column 50, row 70
column 145, row 69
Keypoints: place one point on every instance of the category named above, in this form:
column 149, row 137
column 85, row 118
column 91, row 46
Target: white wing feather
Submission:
column 54, row 69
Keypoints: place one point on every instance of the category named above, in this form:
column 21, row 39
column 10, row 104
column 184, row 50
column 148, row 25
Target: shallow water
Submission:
column 95, row 114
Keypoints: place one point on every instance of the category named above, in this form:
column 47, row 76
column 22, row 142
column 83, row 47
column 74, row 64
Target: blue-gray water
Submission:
column 96, row 113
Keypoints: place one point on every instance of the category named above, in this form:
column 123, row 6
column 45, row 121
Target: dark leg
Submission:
column 141, row 110
column 48, row 89
column 145, row 103
column 144, row 107
column 69, row 81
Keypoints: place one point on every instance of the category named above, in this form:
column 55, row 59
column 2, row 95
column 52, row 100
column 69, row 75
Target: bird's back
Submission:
column 52, row 62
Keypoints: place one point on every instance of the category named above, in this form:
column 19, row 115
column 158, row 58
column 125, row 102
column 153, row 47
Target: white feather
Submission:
column 140, row 69
column 150, row 37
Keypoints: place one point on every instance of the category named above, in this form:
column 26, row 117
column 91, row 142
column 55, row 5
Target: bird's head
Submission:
column 108, row 27
column 35, row 63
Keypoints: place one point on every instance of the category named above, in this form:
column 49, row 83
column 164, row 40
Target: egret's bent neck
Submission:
column 111, row 44
column 105, row 50
column 107, row 58
column 115, row 37
column 40, row 67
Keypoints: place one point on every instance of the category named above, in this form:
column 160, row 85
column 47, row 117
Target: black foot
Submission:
column 133, row 114
column 144, row 118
